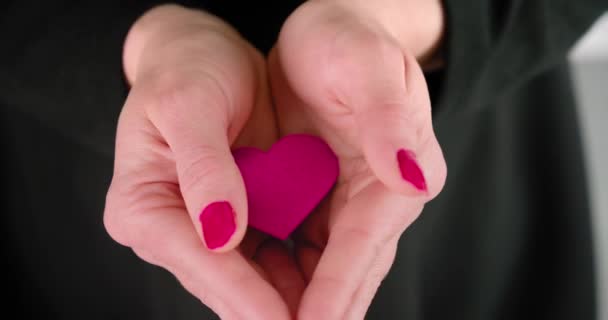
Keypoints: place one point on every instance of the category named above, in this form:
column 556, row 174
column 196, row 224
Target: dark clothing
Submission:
column 508, row 238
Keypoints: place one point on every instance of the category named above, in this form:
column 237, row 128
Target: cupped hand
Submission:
column 350, row 77
column 177, row 197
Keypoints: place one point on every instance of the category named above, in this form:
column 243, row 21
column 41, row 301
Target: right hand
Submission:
column 197, row 89
column 349, row 72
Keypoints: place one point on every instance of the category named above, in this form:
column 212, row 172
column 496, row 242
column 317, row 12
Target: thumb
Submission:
column 389, row 99
column 195, row 125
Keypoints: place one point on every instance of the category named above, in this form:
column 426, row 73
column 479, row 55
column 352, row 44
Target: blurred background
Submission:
column 589, row 63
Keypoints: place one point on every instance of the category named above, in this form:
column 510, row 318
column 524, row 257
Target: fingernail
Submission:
column 410, row 170
column 218, row 222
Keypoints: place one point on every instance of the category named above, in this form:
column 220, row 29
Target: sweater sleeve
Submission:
column 61, row 64
column 495, row 46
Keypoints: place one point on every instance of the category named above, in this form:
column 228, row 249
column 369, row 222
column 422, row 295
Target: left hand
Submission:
column 344, row 70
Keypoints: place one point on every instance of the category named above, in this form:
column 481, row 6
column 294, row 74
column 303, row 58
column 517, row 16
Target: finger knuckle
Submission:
column 200, row 167
column 171, row 95
column 405, row 218
column 112, row 219
column 365, row 237
column 128, row 201
column 114, row 229
column 188, row 281
column 147, row 256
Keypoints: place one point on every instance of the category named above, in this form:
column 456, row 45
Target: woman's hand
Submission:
column 197, row 89
column 346, row 70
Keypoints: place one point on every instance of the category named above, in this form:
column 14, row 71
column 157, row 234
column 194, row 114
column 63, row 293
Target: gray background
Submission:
column 589, row 61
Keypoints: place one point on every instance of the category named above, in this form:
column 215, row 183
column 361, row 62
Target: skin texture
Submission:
column 343, row 70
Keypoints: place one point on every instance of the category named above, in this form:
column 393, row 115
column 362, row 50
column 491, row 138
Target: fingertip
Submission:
column 398, row 168
column 410, row 170
column 221, row 228
column 406, row 162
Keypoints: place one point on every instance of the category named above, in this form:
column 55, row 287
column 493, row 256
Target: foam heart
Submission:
column 286, row 183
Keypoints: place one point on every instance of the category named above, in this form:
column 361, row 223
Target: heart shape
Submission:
column 286, row 183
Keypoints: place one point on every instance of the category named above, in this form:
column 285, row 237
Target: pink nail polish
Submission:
column 218, row 222
column 410, row 170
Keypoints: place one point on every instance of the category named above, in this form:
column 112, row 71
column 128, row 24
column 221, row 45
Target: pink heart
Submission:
column 286, row 183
